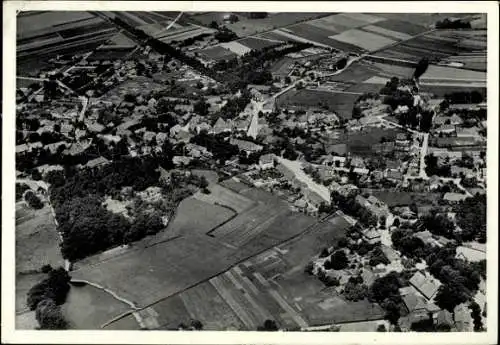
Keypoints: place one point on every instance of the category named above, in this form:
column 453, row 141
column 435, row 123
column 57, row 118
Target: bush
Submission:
column 32, row 200
column 20, row 189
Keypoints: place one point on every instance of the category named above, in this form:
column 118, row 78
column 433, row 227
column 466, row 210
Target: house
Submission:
column 78, row 148
column 347, row 190
column 149, row 136
column 454, row 197
column 458, row 171
column 394, row 175
column 426, row 285
column 402, row 139
column 247, row 146
column 468, row 132
column 373, row 205
column 54, row 147
column 444, row 317
column 161, row 137
column 266, row 161
column 371, row 236
column 99, row 161
column 415, row 304
column 361, row 171
column 45, row 169
column 95, row 127
column 456, row 120
column 357, row 162
column 463, row 318
column 181, row 160
column 80, row 133
column 445, row 129
column 221, row 126
column 197, row 151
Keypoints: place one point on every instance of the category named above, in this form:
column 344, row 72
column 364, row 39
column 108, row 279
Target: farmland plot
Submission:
column 363, row 39
column 258, row 43
column 217, row 53
column 30, row 25
column 402, row 26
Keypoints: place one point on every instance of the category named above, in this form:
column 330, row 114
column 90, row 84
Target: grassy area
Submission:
column 194, row 216
column 87, row 307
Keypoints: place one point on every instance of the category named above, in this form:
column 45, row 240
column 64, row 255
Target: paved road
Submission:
column 423, row 153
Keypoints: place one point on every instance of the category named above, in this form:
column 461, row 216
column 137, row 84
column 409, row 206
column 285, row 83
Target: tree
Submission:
column 381, row 328
column 49, row 316
column 201, row 107
column 269, row 325
column 214, row 25
column 450, row 295
column 196, row 324
column 55, row 287
column 476, row 316
column 32, row 200
column 339, row 260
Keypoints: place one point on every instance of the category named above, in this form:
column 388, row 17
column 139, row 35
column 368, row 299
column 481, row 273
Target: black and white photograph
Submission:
column 253, row 171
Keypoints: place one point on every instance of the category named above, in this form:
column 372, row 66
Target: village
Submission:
column 143, row 140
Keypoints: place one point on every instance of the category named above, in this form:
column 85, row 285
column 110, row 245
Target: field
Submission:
column 258, row 43
column 439, row 46
column 37, row 241
column 43, row 35
column 247, row 27
column 341, row 103
column 156, row 268
column 37, row 244
column 217, row 53
column 271, row 285
column 208, row 216
column 363, row 39
column 361, row 143
column 225, row 197
column 87, row 307
column 236, row 47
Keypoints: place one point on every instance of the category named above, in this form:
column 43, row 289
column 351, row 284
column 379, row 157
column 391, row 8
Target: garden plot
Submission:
column 366, row 40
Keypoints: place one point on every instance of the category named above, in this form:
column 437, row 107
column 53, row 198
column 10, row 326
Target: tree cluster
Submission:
column 471, row 217
column 453, row 24
column 46, row 296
